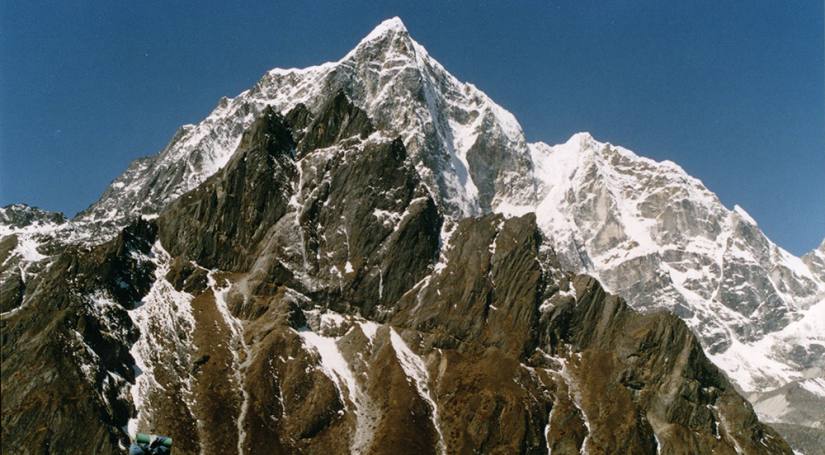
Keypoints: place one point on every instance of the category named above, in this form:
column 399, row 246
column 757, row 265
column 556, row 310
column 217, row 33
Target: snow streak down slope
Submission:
column 658, row 237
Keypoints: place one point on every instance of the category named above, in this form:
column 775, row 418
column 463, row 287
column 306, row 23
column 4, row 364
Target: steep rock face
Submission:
column 464, row 298
column 237, row 204
column 653, row 365
column 339, row 119
column 315, row 215
column 361, row 210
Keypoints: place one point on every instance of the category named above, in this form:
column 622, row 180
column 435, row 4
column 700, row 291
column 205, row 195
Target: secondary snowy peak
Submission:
column 467, row 149
column 660, row 238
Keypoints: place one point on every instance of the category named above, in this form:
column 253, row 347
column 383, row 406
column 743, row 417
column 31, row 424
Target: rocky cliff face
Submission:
column 310, row 297
column 320, row 268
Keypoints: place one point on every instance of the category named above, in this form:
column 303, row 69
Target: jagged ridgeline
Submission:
column 367, row 256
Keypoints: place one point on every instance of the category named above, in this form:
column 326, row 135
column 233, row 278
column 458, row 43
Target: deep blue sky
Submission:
column 732, row 91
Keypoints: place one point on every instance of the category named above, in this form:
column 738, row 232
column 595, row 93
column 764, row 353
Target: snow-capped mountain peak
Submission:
column 386, row 31
column 646, row 229
column 456, row 135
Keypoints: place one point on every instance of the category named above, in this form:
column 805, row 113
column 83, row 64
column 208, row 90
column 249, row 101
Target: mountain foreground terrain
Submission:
column 368, row 256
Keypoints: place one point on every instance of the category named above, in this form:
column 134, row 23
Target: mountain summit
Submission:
column 468, row 149
column 368, row 256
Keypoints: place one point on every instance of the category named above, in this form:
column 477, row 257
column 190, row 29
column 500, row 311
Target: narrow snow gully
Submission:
column 336, row 367
column 576, row 399
column 240, row 351
column 295, row 203
column 547, row 429
column 415, row 369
